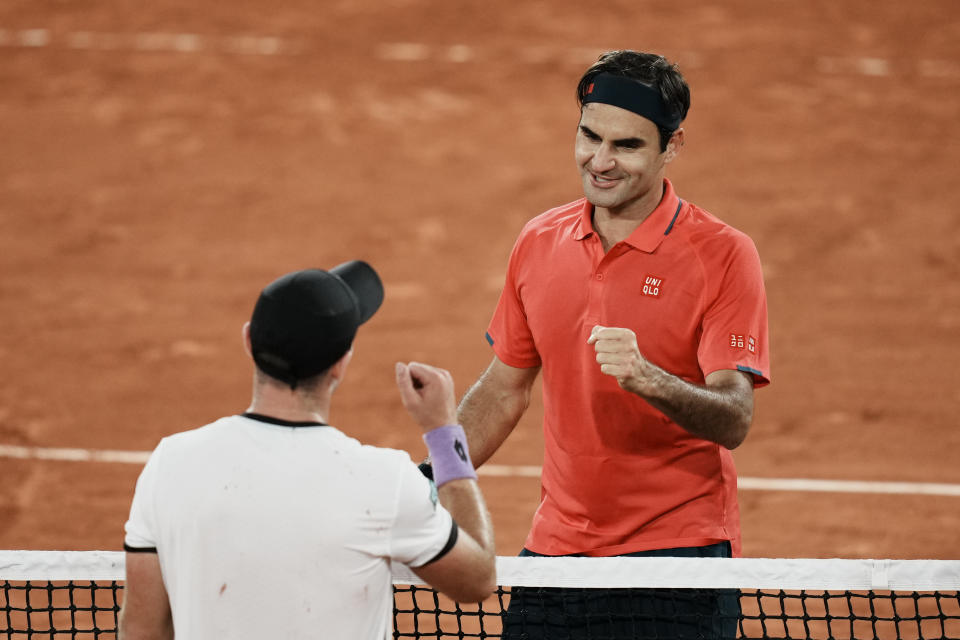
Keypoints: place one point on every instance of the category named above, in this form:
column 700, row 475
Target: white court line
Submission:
column 396, row 51
column 72, row 455
column 864, row 66
column 530, row 471
column 850, row 486
column 150, row 42
column 32, row 38
column 403, row 51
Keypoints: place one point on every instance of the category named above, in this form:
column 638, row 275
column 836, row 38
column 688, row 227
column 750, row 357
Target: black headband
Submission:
column 631, row 95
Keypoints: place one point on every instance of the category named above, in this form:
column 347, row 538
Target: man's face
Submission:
column 618, row 154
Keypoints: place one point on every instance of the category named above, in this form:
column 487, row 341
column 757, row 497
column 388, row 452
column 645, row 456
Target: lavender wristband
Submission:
column 448, row 454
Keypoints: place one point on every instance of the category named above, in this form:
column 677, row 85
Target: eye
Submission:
column 629, row 145
column 589, row 135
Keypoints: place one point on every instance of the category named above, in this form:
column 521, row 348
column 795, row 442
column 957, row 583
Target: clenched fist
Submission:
column 619, row 356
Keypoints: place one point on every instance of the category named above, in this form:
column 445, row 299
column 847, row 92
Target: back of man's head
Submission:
column 305, row 321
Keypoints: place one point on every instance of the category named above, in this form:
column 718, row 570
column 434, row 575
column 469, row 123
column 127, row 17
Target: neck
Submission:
column 277, row 401
column 636, row 210
column 614, row 225
column 612, row 229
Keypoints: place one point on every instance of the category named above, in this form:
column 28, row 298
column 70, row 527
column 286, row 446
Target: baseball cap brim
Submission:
column 365, row 284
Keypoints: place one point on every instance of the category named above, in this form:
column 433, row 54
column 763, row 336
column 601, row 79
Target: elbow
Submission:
column 479, row 587
column 485, row 584
column 732, row 443
column 479, row 591
column 732, row 409
column 737, row 432
column 474, row 595
column 488, row 586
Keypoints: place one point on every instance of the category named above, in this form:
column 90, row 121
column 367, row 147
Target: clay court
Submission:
column 161, row 162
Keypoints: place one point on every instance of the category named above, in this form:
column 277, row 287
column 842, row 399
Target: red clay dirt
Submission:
column 163, row 163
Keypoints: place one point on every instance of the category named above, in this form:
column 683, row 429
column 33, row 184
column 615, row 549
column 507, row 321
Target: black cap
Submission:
column 305, row 321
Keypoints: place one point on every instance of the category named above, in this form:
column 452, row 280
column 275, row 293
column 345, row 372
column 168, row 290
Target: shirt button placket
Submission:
column 594, row 301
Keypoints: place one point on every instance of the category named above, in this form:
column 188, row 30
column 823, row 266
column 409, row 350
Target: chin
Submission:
column 605, row 200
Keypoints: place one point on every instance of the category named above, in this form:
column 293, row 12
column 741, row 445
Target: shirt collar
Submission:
column 651, row 232
column 283, row 423
column 584, row 226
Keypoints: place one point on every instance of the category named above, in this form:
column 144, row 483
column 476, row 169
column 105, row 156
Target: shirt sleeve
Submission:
column 735, row 333
column 141, row 529
column 423, row 528
column 508, row 332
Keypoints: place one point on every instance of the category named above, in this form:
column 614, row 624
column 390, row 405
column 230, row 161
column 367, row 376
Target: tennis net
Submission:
column 77, row 594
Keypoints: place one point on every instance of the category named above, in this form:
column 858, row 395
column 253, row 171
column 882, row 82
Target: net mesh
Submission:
column 420, row 613
column 78, row 595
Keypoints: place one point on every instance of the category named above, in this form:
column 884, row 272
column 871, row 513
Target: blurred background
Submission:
column 162, row 162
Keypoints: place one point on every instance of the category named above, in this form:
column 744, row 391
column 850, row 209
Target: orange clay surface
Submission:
column 161, row 162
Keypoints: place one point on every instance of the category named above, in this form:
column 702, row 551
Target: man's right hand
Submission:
column 427, row 394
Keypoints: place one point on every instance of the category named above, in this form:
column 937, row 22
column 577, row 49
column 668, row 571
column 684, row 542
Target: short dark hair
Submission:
column 306, row 386
column 651, row 69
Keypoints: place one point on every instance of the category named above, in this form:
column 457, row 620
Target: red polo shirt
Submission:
column 618, row 475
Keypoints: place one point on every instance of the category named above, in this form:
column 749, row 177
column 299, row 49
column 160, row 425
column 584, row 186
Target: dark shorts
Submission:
column 567, row 614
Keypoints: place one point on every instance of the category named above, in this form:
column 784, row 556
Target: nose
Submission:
column 603, row 159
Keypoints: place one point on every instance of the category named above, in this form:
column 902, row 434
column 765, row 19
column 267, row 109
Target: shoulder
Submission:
column 712, row 238
column 382, row 462
column 395, row 476
column 385, row 455
column 193, row 437
column 176, row 453
column 545, row 231
column 556, row 217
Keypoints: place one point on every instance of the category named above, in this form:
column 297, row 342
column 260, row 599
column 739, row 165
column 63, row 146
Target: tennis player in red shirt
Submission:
column 647, row 317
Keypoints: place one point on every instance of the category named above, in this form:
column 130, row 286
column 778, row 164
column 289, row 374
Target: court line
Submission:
column 72, row 455
column 248, row 44
column 781, row 484
column 530, row 471
column 151, row 42
column 850, row 486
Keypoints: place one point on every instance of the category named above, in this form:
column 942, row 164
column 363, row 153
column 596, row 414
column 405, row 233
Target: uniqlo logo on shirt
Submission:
column 741, row 341
column 652, row 286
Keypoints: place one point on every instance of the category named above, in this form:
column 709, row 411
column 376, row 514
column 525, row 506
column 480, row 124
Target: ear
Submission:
column 247, row 345
column 673, row 146
column 339, row 368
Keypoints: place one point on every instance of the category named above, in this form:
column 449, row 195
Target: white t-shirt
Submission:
column 271, row 531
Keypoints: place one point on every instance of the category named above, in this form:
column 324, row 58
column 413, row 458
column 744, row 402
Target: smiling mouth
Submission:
column 602, row 181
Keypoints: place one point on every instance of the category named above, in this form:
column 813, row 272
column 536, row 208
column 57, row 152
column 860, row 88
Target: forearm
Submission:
column 468, row 572
column 145, row 614
column 721, row 412
column 489, row 413
column 463, row 499
column 131, row 630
